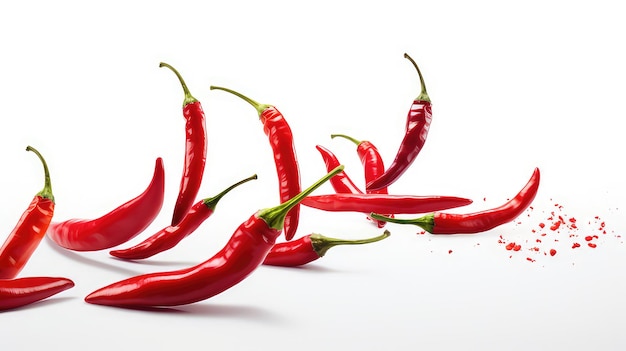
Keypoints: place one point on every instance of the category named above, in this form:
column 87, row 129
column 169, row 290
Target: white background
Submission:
column 539, row 84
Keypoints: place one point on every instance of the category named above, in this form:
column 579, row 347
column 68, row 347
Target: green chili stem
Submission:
column 189, row 99
column 357, row 142
column 426, row 222
column 259, row 107
column 211, row 202
column 275, row 216
column 322, row 243
column 423, row 96
column 46, row 192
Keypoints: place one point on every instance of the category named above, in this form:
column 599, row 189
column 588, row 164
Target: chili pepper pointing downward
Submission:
column 169, row 236
column 29, row 230
column 309, row 248
column 417, row 125
column 195, row 151
column 243, row 253
column 280, row 137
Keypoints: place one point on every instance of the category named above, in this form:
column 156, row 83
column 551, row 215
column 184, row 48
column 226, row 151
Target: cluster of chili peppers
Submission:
column 254, row 242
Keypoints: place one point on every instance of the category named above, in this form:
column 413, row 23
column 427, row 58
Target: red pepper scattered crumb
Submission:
column 517, row 247
column 575, row 245
column 530, row 259
column 510, row 246
column 542, row 225
column 552, row 252
column 449, row 251
column 555, row 225
column 592, row 245
column 589, row 238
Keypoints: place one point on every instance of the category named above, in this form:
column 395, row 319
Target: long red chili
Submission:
column 280, row 137
column 309, row 248
column 116, row 227
column 416, row 130
column 243, row 253
column 381, row 203
column 29, row 230
column 24, row 291
column 449, row 223
column 341, row 182
column 372, row 162
column 170, row 236
column 195, row 151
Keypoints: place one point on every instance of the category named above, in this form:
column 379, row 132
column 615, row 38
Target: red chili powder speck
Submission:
column 552, row 252
column 517, row 247
column 575, row 245
column 555, row 226
column 589, row 238
column 592, row 245
column 530, row 259
column 510, row 246
column 541, row 225
column 449, row 251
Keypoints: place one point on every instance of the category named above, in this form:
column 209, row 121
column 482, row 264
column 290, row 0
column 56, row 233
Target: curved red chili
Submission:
column 373, row 165
column 29, row 230
column 381, row 203
column 309, row 248
column 195, row 151
column 449, row 223
column 243, row 253
column 416, row 131
column 170, row 236
column 341, row 182
column 280, row 137
column 24, row 291
column 116, row 227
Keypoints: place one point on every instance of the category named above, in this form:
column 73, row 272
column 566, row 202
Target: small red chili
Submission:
column 341, row 182
column 243, row 253
column 382, row 203
column 24, row 291
column 451, row 223
column 373, row 165
column 309, row 248
column 416, row 130
column 195, row 151
column 170, row 236
column 116, row 227
column 280, row 137
column 29, row 230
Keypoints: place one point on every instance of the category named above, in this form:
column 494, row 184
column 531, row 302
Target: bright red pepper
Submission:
column 243, row 253
column 373, row 165
column 116, row 227
column 309, row 248
column 170, row 236
column 416, row 130
column 195, row 151
column 452, row 223
column 280, row 137
column 381, row 203
column 24, row 291
column 341, row 182
column 29, row 230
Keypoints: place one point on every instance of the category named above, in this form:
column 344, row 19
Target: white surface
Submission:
column 513, row 87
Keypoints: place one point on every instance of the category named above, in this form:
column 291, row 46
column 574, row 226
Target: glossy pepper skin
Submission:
column 170, row 236
column 373, row 165
column 308, row 249
column 341, row 182
column 29, row 230
column 381, row 203
column 281, row 140
column 471, row 223
column 24, row 291
column 243, row 253
column 416, row 130
column 195, row 151
column 117, row 226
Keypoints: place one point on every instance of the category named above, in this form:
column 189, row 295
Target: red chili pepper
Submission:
column 24, row 291
column 29, row 230
column 280, row 137
column 341, row 182
column 373, row 165
column 170, row 236
column 244, row 252
column 309, row 248
column 195, row 151
column 416, row 130
column 381, row 203
column 449, row 223
column 116, row 227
